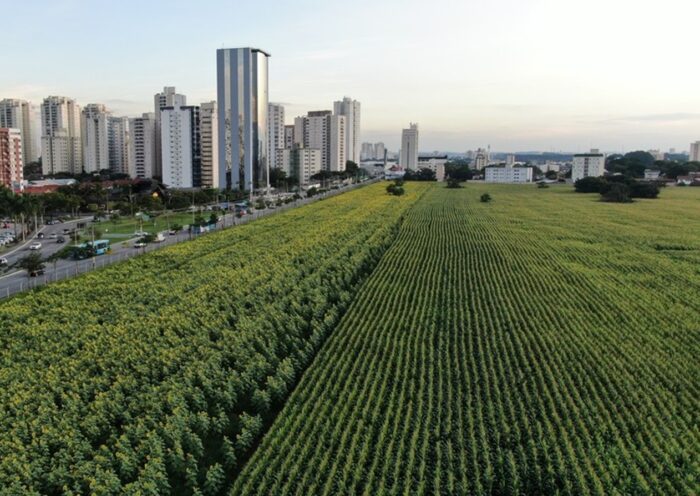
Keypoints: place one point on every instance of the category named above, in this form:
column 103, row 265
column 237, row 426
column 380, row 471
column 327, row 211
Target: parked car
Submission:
column 35, row 246
column 53, row 235
column 3, row 262
column 140, row 244
column 60, row 240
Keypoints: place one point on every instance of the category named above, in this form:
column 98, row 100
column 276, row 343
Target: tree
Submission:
column 351, row 168
column 458, row 170
column 485, row 198
column 590, row 185
column 453, row 183
column 278, row 177
column 395, row 189
column 420, row 175
column 617, row 193
column 644, row 190
column 32, row 263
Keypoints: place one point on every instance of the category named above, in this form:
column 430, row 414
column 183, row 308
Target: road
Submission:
column 17, row 280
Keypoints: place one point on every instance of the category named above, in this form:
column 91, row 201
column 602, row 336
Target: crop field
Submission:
column 158, row 375
column 544, row 343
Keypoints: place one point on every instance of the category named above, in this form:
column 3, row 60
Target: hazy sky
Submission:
column 515, row 74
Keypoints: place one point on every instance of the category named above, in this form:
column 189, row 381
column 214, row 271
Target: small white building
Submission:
column 588, row 165
column 507, row 174
column 435, row 164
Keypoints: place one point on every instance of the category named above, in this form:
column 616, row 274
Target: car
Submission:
column 35, row 273
column 140, row 233
column 140, row 244
column 35, row 246
column 60, row 240
column 40, row 235
column 3, row 262
column 172, row 232
column 53, row 235
column 66, row 230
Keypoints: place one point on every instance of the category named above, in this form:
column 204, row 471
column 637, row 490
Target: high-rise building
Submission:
column 275, row 130
column 11, row 157
column 588, row 165
column 94, row 130
column 209, row 131
column 322, row 130
column 242, row 90
column 288, row 136
column 694, row 152
column 351, row 110
column 119, row 144
column 299, row 163
column 481, row 159
column 18, row 114
column 143, row 146
column 167, row 98
column 510, row 160
column 409, row 147
column 181, row 146
column 367, row 151
column 61, row 144
column 379, row 151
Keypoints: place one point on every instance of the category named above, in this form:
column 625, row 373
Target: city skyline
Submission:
column 537, row 75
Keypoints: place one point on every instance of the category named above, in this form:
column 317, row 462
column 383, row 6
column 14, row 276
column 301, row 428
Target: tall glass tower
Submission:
column 242, row 91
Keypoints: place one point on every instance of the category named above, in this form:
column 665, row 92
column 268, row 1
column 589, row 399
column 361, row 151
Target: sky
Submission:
column 549, row 75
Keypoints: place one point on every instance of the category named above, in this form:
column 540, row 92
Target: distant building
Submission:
column 61, row 144
column 694, row 152
column 11, row 158
column 167, row 98
column 119, row 145
column 550, row 165
column 94, row 127
column 651, row 174
column 209, row 129
column 588, row 165
column 288, row 136
column 510, row 160
column 275, row 130
column 379, row 151
column 350, row 109
column 143, row 146
column 323, row 130
column 18, row 114
column 181, row 146
column 435, row 164
column 299, row 163
column 657, row 154
column 409, row 147
column 507, row 174
column 481, row 159
column 367, row 152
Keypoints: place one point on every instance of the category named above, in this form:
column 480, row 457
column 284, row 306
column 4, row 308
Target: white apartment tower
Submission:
column 351, row 110
column 694, row 155
column 289, row 136
column 208, row 128
column 61, row 144
column 326, row 132
column 275, row 130
column 119, row 144
column 588, row 165
column 94, row 126
column 18, row 114
column 300, row 163
column 409, row 147
column 181, row 146
column 142, row 149
column 167, row 98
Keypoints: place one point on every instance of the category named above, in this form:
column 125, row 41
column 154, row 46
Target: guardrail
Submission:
column 54, row 273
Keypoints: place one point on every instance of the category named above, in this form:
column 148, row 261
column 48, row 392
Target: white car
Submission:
column 35, row 246
column 3, row 261
column 53, row 235
column 140, row 233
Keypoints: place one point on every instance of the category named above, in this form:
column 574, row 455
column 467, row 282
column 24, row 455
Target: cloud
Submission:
column 654, row 118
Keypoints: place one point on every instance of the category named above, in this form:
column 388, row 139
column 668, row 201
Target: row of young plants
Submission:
column 158, row 375
column 541, row 344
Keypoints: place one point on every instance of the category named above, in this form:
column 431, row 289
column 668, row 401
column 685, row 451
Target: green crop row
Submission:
column 537, row 344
